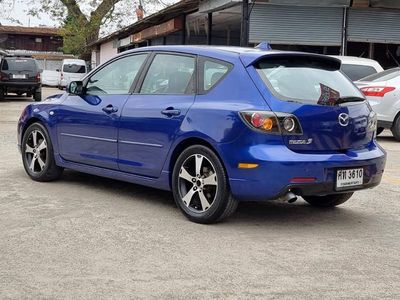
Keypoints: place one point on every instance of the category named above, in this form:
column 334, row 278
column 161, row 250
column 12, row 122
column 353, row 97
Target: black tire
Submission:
column 37, row 96
column 2, row 94
column 396, row 128
column 328, row 200
column 217, row 194
column 44, row 167
column 379, row 130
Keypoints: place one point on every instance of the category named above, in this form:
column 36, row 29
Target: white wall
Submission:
column 107, row 51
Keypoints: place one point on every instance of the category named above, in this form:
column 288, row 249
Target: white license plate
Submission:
column 349, row 178
column 19, row 76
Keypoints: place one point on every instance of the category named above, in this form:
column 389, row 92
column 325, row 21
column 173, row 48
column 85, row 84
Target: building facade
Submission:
column 364, row 28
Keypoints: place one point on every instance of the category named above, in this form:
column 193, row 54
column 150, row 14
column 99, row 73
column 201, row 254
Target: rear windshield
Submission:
column 73, row 68
column 356, row 72
column 18, row 64
column 382, row 76
column 306, row 80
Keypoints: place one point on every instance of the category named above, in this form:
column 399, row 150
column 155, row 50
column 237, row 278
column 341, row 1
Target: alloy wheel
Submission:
column 36, row 151
column 198, row 183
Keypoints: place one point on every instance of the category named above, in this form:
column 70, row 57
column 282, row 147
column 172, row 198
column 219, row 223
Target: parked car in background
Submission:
column 50, row 78
column 358, row 67
column 20, row 75
column 383, row 93
column 215, row 125
column 72, row 70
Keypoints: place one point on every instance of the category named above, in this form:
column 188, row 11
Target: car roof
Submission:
column 247, row 55
column 73, row 61
column 354, row 60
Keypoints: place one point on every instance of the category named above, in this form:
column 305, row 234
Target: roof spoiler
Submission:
column 265, row 46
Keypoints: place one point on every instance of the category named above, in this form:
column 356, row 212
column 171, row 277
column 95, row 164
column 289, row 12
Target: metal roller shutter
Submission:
column 374, row 26
column 296, row 25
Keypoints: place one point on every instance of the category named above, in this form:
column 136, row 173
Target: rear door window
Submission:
column 356, row 72
column 170, row 74
column 306, row 79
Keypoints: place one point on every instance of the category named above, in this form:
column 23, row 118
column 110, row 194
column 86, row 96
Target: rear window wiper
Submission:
column 349, row 99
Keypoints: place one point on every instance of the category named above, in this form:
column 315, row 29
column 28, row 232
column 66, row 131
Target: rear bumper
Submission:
column 385, row 124
column 20, row 86
column 278, row 166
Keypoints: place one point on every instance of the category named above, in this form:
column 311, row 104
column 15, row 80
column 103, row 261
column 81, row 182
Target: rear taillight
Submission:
column 274, row 123
column 62, row 76
column 377, row 91
column 38, row 77
column 3, row 77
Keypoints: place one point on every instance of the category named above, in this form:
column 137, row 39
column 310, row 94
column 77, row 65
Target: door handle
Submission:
column 109, row 109
column 170, row 111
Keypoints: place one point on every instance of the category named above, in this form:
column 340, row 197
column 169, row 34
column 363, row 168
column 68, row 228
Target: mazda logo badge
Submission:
column 344, row 119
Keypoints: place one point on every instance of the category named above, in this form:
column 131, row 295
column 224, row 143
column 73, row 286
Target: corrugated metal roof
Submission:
column 165, row 14
column 29, row 30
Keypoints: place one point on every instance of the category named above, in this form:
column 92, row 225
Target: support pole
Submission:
column 343, row 49
column 244, row 31
column 209, row 29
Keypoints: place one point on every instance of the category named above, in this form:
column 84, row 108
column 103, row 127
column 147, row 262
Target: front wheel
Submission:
column 200, row 186
column 328, row 200
column 38, row 155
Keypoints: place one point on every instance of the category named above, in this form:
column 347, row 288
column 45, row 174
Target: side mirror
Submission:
column 75, row 88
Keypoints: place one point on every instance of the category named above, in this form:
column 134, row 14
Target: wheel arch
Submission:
column 184, row 144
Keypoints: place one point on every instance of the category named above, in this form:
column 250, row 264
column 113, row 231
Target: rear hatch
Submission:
column 332, row 112
column 73, row 72
column 19, row 69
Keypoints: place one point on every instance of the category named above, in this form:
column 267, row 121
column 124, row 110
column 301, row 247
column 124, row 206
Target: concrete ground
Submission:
column 93, row 238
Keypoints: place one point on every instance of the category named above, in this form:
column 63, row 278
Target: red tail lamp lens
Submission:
column 303, row 179
column 377, row 91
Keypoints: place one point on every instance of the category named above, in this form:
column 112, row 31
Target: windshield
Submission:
column 382, row 76
column 18, row 64
column 306, row 80
column 73, row 68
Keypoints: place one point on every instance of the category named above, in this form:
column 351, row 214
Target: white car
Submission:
column 383, row 93
column 50, row 78
column 358, row 67
column 72, row 70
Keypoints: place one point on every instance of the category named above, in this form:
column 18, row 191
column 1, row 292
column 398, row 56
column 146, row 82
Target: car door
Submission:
column 152, row 116
column 88, row 123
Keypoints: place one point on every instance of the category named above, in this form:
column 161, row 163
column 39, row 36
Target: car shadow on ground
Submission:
column 267, row 213
column 15, row 98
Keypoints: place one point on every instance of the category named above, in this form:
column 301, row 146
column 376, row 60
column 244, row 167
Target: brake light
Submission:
column 38, row 77
column 274, row 123
column 377, row 91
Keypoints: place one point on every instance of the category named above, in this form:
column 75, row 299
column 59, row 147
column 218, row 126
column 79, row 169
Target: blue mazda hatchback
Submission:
column 215, row 125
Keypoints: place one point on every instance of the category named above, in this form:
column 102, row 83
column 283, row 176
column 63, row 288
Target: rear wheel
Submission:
column 396, row 129
column 328, row 200
column 37, row 96
column 379, row 130
column 38, row 155
column 200, row 186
